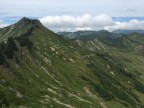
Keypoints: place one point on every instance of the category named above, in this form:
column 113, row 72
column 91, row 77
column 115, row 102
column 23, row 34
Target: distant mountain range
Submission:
column 89, row 34
column 128, row 31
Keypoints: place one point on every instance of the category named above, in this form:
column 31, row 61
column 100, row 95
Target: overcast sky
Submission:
column 76, row 14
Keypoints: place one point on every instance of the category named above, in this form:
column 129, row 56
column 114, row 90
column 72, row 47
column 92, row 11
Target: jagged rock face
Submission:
column 62, row 73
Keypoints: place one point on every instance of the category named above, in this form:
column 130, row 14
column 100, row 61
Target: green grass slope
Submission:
column 61, row 73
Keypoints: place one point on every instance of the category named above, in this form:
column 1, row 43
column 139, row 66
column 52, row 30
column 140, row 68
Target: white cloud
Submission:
column 83, row 28
column 2, row 24
column 85, row 22
column 89, row 22
column 40, row 8
column 131, row 25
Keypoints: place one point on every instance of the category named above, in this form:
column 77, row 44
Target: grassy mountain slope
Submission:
column 17, row 29
column 63, row 73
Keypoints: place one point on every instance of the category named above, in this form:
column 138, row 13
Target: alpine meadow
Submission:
column 59, row 54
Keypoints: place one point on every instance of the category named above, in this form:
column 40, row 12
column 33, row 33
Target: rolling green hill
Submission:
column 49, row 71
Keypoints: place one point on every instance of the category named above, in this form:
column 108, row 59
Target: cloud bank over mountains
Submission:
column 85, row 22
column 131, row 25
column 89, row 22
column 64, row 15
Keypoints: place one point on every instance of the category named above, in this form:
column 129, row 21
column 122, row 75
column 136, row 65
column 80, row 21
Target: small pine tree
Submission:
column 9, row 51
column 10, row 48
column 2, row 58
column 12, row 43
column 24, row 41
column 2, row 45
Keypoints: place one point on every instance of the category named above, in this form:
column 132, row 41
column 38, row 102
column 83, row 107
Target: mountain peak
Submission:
column 22, row 26
column 26, row 20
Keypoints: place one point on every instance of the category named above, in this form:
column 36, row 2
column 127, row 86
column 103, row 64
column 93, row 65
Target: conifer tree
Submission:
column 2, row 57
column 10, row 48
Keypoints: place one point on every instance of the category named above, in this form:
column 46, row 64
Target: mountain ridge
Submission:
column 128, row 31
column 63, row 73
column 89, row 34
